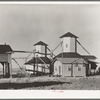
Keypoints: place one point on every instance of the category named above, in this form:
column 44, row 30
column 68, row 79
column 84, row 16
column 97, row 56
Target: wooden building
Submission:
column 71, row 63
column 40, row 63
column 5, row 59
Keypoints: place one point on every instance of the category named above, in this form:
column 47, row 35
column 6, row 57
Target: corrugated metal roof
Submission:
column 33, row 60
column 40, row 43
column 5, row 48
column 69, row 55
column 68, row 34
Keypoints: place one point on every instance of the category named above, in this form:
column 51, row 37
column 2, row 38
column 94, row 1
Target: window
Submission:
column 55, row 69
column 79, row 68
column 66, row 45
column 69, row 68
column 84, row 65
column 76, row 65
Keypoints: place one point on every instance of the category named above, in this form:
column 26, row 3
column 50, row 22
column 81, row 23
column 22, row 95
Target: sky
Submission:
column 23, row 25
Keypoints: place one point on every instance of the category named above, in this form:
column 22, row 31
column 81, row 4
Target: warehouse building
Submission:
column 71, row 63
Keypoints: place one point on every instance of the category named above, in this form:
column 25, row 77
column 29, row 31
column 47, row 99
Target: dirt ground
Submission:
column 52, row 83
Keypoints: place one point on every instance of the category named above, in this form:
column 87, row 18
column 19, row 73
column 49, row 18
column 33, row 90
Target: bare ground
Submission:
column 52, row 83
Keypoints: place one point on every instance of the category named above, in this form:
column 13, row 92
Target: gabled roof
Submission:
column 69, row 55
column 71, row 60
column 37, row 60
column 88, row 56
column 68, row 35
column 73, row 55
column 41, row 43
column 5, row 49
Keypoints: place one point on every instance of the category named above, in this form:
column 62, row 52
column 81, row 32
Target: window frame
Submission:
column 66, row 45
column 69, row 68
column 56, row 69
column 79, row 68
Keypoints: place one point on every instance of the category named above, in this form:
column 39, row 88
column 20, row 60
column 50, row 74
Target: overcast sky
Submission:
column 21, row 26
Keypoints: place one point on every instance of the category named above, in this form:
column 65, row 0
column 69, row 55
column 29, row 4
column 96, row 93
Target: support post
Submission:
column 72, row 70
column 37, row 63
column 7, row 70
column 45, row 51
column 34, row 64
column 10, row 70
column 3, row 69
column 44, row 69
column 89, row 69
column 50, row 69
column 75, row 45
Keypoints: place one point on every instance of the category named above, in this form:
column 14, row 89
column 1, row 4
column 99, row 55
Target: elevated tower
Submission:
column 69, row 43
column 41, row 47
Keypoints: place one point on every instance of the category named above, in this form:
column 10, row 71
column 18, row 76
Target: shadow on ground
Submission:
column 27, row 85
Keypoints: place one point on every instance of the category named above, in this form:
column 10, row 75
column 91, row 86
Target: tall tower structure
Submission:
column 69, row 43
column 41, row 48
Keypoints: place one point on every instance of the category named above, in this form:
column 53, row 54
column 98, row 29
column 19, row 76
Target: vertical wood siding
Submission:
column 66, row 71
column 57, row 68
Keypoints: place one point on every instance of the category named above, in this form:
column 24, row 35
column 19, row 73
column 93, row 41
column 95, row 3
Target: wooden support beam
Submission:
column 34, row 63
column 89, row 70
column 44, row 68
column 37, row 64
column 72, row 70
column 10, row 70
column 7, row 70
column 3, row 70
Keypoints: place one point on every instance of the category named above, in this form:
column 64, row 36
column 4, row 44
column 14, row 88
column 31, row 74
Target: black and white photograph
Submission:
column 50, row 47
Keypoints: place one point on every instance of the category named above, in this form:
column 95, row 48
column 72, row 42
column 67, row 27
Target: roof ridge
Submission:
column 69, row 55
column 40, row 43
column 68, row 34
